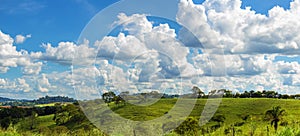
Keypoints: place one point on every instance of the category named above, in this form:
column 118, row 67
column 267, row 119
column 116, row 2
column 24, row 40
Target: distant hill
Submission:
column 3, row 99
column 43, row 100
column 52, row 99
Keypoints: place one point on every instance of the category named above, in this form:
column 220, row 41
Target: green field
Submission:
column 232, row 109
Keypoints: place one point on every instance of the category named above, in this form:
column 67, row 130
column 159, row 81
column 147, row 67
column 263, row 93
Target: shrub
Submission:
column 187, row 127
column 58, row 130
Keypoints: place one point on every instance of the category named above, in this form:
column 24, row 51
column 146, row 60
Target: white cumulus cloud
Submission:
column 21, row 39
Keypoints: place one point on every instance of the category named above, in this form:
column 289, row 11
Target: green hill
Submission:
column 241, row 116
column 245, row 116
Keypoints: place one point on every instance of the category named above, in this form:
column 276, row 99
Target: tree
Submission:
column 33, row 117
column 251, row 93
column 237, row 95
column 275, row 115
column 5, row 122
column 189, row 126
column 246, row 94
column 228, row 93
column 257, row 94
column 65, row 114
column 108, row 96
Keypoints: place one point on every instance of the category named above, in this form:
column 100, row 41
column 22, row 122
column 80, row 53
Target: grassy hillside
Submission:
column 231, row 108
column 234, row 111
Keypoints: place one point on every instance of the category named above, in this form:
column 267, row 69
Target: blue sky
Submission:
column 63, row 21
column 56, row 26
column 48, row 21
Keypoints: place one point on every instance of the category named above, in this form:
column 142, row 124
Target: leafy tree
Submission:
column 246, row 94
column 285, row 96
column 49, row 110
column 69, row 113
column 108, row 96
column 228, row 93
column 61, row 118
column 251, row 93
column 237, row 95
column 275, row 115
column 5, row 122
column 257, row 94
column 188, row 127
column 78, row 117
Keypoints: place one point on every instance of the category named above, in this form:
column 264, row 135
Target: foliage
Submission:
column 49, row 99
column 188, row 126
column 108, row 96
column 275, row 115
column 69, row 113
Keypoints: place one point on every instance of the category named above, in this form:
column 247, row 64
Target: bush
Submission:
column 5, row 122
column 187, row 127
column 58, row 130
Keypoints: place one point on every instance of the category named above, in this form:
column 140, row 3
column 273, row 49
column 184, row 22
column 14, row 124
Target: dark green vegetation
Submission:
column 42, row 100
column 60, row 119
column 235, row 116
column 275, row 115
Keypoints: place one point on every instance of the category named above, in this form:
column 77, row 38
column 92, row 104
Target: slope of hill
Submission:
column 3, row 99
column 53, row 99
column 43, row 100
column 235, row 116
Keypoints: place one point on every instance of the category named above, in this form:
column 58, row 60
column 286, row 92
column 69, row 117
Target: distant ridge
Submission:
column 43, row 100
column 3, row 99
column 51, row 99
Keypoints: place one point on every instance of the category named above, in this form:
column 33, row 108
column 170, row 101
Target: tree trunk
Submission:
column 276, row 126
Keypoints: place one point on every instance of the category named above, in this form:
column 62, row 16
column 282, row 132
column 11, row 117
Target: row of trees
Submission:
column 246, row 94
column 197, row 93
column 109, row 97
column 42, row 100
column 52, row 99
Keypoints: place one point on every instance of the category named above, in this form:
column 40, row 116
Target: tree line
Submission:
column 196, row 92
column 246, row 94
column 43, row 100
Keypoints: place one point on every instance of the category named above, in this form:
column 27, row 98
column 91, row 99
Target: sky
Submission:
column 83, row 48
